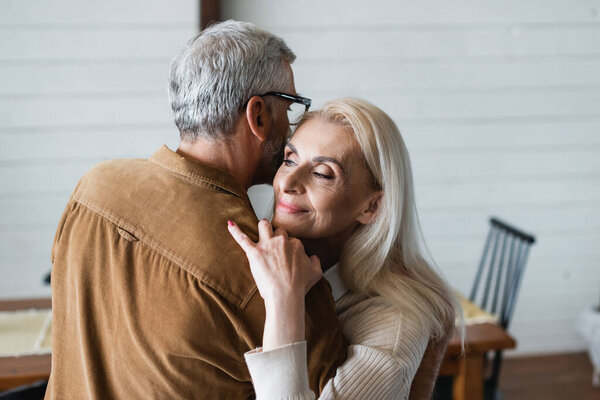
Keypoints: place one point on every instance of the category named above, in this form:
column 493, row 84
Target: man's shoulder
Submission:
column 184, row 221
column 107, row 176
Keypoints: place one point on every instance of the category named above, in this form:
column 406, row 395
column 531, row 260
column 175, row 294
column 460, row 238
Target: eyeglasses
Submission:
column 296, row 109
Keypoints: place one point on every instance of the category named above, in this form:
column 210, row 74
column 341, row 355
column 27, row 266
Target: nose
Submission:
column 293, row 181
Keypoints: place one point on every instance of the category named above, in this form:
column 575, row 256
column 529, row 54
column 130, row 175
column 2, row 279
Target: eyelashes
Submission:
column 322, row 176
column 289, row 163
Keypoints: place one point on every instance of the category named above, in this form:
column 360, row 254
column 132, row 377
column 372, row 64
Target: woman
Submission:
column 345, row 191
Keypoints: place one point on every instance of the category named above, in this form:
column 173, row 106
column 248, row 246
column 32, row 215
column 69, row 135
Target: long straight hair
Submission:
column 387, row 257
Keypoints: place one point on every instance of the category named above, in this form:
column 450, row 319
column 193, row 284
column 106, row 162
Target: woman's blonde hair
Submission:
column 387, row 256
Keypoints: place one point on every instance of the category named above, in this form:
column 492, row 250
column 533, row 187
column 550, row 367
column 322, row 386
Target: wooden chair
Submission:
column 495, row 289
column 497, row 282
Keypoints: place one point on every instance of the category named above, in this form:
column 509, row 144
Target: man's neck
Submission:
column 328, row 249
column 227, row 156
column 328, row 255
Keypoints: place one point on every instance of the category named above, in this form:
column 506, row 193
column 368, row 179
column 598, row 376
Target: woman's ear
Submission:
column 369, row 213
column 258, row 117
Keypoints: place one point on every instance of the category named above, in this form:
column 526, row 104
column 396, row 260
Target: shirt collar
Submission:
column 194, row 171
column 332, row 275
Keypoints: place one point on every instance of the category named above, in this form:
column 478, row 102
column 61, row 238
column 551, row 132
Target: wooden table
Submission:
column 468, row 370
column 18, row 371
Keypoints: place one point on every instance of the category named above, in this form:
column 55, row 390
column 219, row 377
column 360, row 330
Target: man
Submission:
column 152, row 298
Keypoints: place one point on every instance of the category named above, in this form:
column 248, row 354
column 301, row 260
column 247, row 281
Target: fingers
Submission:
column 317, row 272
column 315, row 261
column 240, row 237
column 280, row 232
column 265, row 229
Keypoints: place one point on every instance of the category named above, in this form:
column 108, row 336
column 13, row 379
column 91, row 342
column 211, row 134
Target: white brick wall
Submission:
column 499, row 103
column 80, row 82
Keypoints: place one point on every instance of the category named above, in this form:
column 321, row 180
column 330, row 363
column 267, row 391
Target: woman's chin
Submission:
column 293, row 228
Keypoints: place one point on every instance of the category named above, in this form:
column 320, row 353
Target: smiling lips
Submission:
column 289, row 208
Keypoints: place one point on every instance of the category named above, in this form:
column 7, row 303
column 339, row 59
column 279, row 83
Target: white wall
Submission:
column 80, row 82
column 499, row 103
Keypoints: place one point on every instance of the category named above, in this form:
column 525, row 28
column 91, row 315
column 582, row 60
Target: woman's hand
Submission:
column 283, row 274
column 278, row 263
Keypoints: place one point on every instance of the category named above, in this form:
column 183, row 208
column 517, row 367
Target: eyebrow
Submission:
column 318, row 158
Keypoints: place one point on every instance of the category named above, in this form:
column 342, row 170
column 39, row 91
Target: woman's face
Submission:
column 322, row 189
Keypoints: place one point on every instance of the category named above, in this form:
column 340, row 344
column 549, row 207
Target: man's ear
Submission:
column 258, row 117
column 369, row 212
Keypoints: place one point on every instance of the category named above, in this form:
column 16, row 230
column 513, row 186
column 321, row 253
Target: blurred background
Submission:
column 498, row 102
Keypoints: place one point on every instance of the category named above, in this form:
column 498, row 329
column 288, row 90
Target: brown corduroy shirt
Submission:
column 152, row 298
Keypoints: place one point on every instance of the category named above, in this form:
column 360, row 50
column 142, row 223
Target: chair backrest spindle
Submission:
column 512, row 301
column 490, row 271
column 500, row 274
column 481, row 266
column 502, row 270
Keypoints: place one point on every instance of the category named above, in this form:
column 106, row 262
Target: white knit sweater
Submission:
column 384, row 353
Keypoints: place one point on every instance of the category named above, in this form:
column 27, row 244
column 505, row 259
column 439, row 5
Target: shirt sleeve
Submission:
column 59, row 230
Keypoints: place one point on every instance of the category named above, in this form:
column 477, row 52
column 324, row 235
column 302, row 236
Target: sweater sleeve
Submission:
column 280, row 373
column 368, row 373
column 380, row 365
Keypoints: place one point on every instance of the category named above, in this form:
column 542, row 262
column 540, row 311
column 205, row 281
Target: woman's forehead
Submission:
column 322, row 138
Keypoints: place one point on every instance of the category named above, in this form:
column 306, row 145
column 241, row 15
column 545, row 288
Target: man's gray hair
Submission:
column 218, row 71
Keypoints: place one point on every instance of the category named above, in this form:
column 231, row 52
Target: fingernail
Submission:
column 230, row 223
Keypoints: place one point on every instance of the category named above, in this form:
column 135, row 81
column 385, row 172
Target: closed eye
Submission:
column 322, row 176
